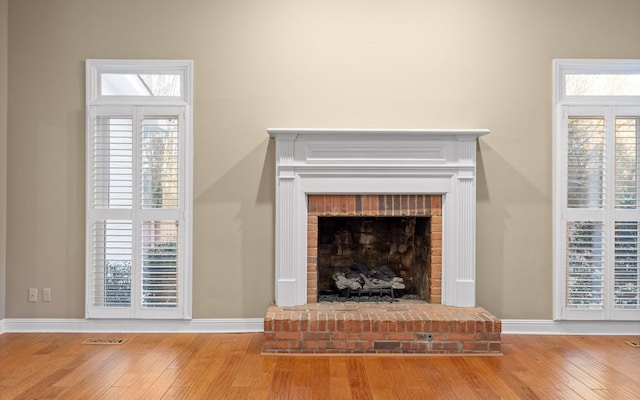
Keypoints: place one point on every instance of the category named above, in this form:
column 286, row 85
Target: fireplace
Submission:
column 321, row 162
column 384, row 200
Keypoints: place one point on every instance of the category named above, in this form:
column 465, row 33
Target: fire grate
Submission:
column 634, row 344
column 104, row 341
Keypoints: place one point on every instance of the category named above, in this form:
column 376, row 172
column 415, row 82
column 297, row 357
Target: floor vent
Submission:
column 634, row 344
column 104, row 341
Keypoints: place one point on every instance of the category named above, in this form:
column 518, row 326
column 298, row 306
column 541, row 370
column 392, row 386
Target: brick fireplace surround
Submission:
column 377, row 173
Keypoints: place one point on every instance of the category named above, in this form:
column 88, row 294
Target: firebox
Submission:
column 373, row 257
column 373, row 246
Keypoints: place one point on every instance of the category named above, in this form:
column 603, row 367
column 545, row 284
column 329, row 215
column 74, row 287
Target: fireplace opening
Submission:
column 378, row 236
column 369, row 258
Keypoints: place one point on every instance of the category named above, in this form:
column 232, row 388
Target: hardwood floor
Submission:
column 230, row 366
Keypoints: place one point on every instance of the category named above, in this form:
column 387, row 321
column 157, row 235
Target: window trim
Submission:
column 94, row 68
column 561, row 103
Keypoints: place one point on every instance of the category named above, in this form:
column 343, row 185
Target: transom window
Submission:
column 151, row 84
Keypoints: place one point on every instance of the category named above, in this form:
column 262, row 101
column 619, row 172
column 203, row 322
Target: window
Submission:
column 138, row 189
column 597, row 189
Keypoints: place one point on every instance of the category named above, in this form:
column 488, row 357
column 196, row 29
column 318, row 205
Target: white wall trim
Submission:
column 222, row 325
column 550, row 327
column 242, row 325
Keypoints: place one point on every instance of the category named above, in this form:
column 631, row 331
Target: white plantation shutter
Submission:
column 585, row 162
column 627, row 154
column 627, row 260
column 113, row 159
column 600, row 217
column 136, row 214
column 160, row 262
column 585, row 264
column 111, row 264
column 627, row 210
column 160, row 148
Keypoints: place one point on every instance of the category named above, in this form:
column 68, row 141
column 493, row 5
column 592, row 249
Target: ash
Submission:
column 365, row 298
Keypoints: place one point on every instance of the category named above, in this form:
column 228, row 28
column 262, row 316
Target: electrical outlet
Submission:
column 33, row 295
column 46, row 294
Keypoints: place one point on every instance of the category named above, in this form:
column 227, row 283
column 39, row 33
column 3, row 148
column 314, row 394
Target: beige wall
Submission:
column 4, row 51
column 297, row 63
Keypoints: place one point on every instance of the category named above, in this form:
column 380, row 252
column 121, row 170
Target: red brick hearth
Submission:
column 406, row 326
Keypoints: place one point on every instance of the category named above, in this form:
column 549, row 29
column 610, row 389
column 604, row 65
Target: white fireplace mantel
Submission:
column 377, row 161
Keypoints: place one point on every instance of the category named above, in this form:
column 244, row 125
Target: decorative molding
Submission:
column 550, row 327
column 244, row 325
column 222, row 325
column 376, row 161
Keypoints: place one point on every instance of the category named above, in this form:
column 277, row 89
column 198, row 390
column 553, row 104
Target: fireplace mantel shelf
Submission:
column 274, row 132
column 376, row 161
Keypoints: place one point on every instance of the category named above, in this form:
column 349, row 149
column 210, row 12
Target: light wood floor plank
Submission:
column 378, row 379
column 260, row 385
column 161, row 385
column 320, row 379
column 221, row 386
column 358, row 380
column 249, row 363
column 231, row 366
column 456, row 379
column 339, row 388
column 282, row 375
column 175, row 393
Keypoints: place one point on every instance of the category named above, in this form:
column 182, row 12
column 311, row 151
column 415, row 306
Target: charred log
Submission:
column 360, row 279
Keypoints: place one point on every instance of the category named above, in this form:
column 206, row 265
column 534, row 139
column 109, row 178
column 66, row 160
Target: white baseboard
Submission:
column 550, row 327
column 237, row 325
column 222, row 325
